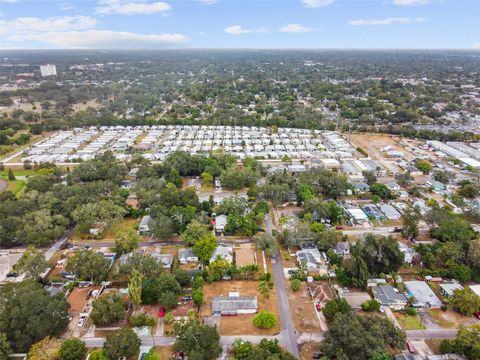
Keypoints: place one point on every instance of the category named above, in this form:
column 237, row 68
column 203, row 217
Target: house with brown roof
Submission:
column 245, row 255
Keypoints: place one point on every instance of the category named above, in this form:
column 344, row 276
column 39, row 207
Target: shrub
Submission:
column 371, row 305
column 141, row 320
column 411, row 311
column 73, row 349
column 264, row 320
column 296, row 284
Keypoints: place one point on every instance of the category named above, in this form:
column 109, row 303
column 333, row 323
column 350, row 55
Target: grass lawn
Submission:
column 408, row 322
column 19, row 172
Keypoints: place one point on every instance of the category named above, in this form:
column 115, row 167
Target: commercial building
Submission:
column 48, row 70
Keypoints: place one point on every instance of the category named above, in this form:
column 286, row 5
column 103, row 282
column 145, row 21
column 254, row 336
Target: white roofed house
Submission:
column 422, row 296
column 220, row 223
column 447, row 289
column 165, row 259
column 186, row 255
column 144, row 226
column 342, row 248
column 224, row 252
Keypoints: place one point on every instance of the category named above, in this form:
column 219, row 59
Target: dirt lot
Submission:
column 122, row 225
column 372, row 143
column 240, row 324
column 303, row 311
column 450, row 319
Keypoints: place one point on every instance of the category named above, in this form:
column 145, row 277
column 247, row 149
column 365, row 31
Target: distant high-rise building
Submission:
column 48, row 70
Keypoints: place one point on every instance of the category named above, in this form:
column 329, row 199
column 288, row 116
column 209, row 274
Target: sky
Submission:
column 319, row 24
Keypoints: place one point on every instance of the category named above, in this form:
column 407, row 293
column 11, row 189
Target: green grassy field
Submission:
column 408, row 322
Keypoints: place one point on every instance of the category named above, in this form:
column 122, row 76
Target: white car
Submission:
column 81, row 322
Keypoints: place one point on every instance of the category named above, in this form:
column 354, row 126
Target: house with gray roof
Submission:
column 390, row 297
column 234, row 305
column 342, row 248
column 186, row 255
column 224, row 252
column 447, row 289
column 144, row 227
column 165, row 259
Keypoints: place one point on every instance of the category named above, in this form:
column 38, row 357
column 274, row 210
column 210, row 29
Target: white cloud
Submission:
column 239, row 30
column 131, row 7
column 33, row 24
column 66, row 6
column 410, row 2
column 317, row 3
column 476, row 46
column 207, row 2
column 386, row 21
column 295, row 28
column 101, row 39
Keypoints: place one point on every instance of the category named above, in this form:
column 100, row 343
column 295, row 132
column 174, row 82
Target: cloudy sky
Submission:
column 240, row 24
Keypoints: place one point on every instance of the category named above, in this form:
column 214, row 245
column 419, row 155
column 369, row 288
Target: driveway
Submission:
column 427, row 320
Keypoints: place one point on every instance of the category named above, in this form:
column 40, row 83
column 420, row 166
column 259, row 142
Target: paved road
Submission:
column 385, row 230
column 431, row 334
column 97, row 244
column 57, row 245
column 288, row 334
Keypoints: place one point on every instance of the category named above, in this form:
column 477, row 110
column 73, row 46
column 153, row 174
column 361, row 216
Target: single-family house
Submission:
column 393, row 186
column 360, row 187
column 447, row 289
column 220, row 223
column 224, row 252
column 408, row 252
column 144, row 226
column 390, row 212
column 357, row 215
column 342, row 248
column 186, row 255
column 234, row 304
column 165, row 259
column 475, row 288
column 422, row 296
column 390, row 297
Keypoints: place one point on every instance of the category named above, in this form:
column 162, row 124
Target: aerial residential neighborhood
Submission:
column 210, row 180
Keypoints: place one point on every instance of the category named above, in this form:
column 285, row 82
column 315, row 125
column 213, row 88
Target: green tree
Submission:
column 108, row 309
column 382, row 191
column 145, row 264
column 89, row 265
column 98, row 354
column 46, row 349
column 334, row 307
column 198, row 342
column 11, row 175
column 410, row 220
column 465, row 301
column 466, row 343
column 122, row 343
column 360, row 337
column 135, row 288
column 32, row 263
column 264, row 320
column 126, row 241
column 424, row 166
column 194, row 232
column 28, row 303
column 5, row 347
column 369, row 177
column 296, row 284
column 73, row 349
column 204, row 247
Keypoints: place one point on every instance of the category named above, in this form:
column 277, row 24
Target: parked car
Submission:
column 187, row 298
column 12, row 274
column 81, row 322
column 339, row 227
column 477, row 315
column 411, row 348
column 317, row 355
column 318, row 306
column 161, row 311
